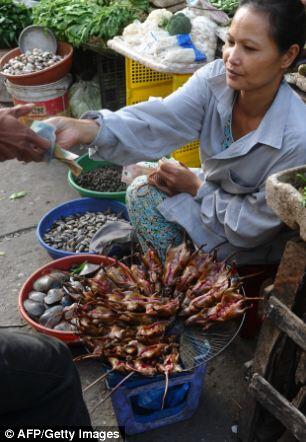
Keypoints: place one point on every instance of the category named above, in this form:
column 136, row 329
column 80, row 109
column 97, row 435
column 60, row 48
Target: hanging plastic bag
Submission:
column 84, row 96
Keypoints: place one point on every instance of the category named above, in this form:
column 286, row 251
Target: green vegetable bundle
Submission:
column 227, row 6
column 301, row 178
column 179, row 24
column 14, row 17
column 80, row 21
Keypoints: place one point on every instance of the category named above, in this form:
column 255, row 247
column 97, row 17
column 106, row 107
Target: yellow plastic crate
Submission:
column 134, row 96
column 178, row 80
column 143, row 83
column 189, row 154
column 139, row 76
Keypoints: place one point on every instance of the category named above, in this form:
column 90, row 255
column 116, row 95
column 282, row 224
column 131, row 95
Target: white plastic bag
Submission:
column 84, row 96
column 164, row 3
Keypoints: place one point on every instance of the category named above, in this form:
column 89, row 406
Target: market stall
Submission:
column 153, row 326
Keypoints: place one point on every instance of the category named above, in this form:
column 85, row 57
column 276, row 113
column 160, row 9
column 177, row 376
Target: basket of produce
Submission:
column 47, row 298
column 99, row 179
column 286, row 195
column 68, row 228
column 36, row 67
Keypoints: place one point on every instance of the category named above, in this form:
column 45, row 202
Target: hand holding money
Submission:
column 173, row 177
column 47, row 131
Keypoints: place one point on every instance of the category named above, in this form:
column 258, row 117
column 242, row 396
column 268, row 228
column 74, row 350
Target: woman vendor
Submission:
column 250, row 125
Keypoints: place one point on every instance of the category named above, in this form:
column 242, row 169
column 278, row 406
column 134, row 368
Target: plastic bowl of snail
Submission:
column 89, row 165
column 79, row 206
column 39, row 314
column 45, row 76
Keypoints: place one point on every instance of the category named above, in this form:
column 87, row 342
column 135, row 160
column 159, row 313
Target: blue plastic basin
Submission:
column 72, row 207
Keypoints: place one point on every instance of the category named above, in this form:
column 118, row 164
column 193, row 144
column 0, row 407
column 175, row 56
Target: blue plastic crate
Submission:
column 137, row 403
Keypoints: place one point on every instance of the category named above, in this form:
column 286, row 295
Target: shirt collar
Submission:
column 272, row 127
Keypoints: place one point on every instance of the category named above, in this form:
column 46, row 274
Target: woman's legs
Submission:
column 151, row 227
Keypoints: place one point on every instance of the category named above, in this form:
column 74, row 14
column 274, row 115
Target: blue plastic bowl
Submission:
column 80, row 205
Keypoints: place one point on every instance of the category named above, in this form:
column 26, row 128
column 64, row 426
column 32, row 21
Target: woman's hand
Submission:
column 17, row 140
column 71, row 132
column 177, row 178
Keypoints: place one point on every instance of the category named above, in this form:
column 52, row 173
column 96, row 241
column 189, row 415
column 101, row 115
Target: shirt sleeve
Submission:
column 150, row 130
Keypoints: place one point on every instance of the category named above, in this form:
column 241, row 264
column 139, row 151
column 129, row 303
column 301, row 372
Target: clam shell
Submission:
column 37, row 296
column 33, row 308
column 63, row 326
column 54, row 296
column 66, row 301
column 52, row 316
column 43, row 284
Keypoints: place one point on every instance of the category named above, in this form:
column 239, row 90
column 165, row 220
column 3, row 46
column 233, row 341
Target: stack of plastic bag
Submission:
column 152, row 39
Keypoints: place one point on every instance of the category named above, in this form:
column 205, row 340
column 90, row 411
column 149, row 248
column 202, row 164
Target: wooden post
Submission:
column 283, row 410
column 285, row 290
column 287, row 321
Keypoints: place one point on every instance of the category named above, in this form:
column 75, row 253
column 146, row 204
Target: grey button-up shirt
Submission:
column 230, row 207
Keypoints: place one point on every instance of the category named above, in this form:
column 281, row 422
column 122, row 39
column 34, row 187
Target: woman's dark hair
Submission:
column 287, row 21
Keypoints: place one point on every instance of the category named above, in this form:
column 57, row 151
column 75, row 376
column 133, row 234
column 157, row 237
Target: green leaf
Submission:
column 301, row 176
column 16, row 195
column 78, row 269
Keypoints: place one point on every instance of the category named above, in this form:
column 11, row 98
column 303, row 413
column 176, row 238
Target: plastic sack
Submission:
column 165, row 3
column 203, row 7
column 113, row 238
column 84, row 96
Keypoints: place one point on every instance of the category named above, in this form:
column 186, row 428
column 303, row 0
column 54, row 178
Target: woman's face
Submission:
column 251, row 56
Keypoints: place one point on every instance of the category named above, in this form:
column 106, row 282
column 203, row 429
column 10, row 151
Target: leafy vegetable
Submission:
column 228, row 6
column 79, row 21
column 16, row 195
column 13, row 18
column 179, row 24
column 302, row 70
column 77, row 269
column 302, row 177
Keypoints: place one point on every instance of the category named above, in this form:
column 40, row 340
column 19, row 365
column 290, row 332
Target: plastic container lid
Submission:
column 37, row 37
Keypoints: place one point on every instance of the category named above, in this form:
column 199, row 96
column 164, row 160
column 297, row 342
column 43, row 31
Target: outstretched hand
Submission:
column 71, row 132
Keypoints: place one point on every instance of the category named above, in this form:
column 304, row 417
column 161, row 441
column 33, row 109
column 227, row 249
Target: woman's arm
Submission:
column 148, row 130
